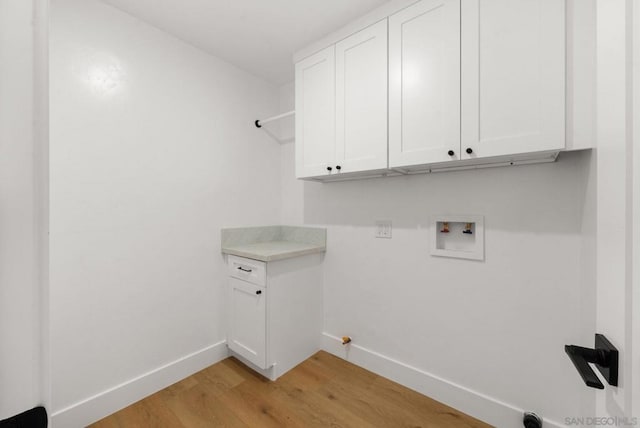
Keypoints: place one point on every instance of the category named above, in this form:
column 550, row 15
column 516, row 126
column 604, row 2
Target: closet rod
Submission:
column 259, row 122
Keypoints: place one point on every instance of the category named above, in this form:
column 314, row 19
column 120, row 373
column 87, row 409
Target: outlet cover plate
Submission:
column 383, row 229
column 455, row 241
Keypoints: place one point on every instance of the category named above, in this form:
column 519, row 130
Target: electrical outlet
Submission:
column 383, row 229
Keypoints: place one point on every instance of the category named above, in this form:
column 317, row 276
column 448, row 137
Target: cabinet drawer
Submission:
column 252, row 271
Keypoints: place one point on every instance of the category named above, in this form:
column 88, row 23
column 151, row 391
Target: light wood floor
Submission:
column 323, row 391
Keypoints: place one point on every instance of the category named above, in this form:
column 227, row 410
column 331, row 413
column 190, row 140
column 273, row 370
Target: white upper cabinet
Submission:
column 513, row 76
column 341, row 106
column 424, row 83
column 315, row 113
column 361, row 100
column 437, row 84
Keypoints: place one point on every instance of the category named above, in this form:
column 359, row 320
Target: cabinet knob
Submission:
column 469, row 150
column 329, row 168
column 259, row 292
column 451, row 152
column 338, row 167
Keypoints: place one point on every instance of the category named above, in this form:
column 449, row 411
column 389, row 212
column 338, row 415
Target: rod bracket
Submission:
column 257, row 122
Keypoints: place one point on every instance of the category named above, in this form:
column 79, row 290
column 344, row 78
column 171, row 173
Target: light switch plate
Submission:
column 383, row 229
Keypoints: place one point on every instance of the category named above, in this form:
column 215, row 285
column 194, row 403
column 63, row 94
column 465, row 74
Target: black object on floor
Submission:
column 531, row 420
column 34, row 418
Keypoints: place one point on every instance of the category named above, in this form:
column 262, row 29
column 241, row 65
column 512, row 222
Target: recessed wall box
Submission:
column 458, row 236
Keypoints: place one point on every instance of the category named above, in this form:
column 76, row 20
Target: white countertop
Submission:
column 274, row 250
column 271, row 243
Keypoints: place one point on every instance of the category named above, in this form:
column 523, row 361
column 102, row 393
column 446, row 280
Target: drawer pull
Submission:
column 259, row 292
column 244, row 270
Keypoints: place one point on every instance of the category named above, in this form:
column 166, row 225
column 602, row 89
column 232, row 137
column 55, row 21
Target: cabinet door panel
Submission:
column 247, row 321
column 513, row 76
column 315, row 113
column 361, row 100
column 424, row 83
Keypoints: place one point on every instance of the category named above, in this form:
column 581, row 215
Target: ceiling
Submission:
column 259, row 36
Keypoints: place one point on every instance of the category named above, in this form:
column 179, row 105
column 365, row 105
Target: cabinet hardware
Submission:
column 469, row 150
column 604, row 355
column 245, row 270
column 451, row 153
column 259, row 292
column 329, row 168
column 338, row 167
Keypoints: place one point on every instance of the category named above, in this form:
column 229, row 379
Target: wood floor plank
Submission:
column 108, row 422
column 307, row 376
column 218, row 378
column 323, row 391
column 426, row 408
column 150, row 412
column 254, row 403
column 361, row 401
column 178, row 387
column 319, row 411
column 201, row 408
column 341, row 368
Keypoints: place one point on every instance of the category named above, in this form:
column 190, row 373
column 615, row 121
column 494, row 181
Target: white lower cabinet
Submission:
column 274, row 312
column 248, row 324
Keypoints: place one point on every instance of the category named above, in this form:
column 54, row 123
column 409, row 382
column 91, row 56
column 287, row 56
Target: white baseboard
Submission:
column 476, row 404
column 113, row 399
column 473, row 403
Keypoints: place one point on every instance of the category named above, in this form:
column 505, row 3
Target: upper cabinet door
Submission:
column 361, row 100
column 513, row 76
column 315, row 113
column 424, row 83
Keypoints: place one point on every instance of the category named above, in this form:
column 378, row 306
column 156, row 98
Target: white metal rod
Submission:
column 259, row 122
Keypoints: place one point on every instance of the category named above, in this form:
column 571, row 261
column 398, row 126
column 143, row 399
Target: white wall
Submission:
column 22, row 148
column 581, row 132
column 153, row 150
column 143, row 180
column 497, row 327
column 615, row 223
column 636, row 210
column 292, row 190
column 487, row 336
